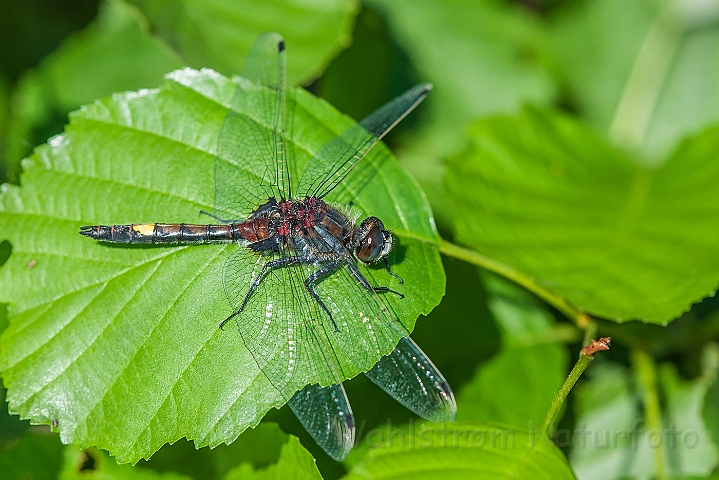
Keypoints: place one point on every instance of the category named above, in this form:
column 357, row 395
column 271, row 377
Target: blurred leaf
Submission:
column 36, row 456
column 259, row 446
column 611, row 442
column 114, row 53
column 30, row 30
column 646, row 66
column 544, row 195
column 462, row 451
column 481, row 57
column 517, row 386
column 711, row 402
column 607, row 413
column 219, row 33
column 121, row 344
column 355, row 89
column 97, row 464
column 689, row 447
column 294, row 463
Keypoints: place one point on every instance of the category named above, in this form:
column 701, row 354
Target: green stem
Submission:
column 589, row 333
column 646, row 371
column 579, row 367
column 554, row 299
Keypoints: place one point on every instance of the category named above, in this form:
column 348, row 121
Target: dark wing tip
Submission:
column 281, row 46
column 446, row 410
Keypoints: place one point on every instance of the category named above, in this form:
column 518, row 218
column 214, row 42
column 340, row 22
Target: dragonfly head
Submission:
column 371, row 241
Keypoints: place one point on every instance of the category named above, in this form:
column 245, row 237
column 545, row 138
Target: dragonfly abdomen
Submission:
column 162, row 233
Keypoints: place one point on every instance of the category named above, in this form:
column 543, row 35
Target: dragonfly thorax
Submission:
column 290, row 224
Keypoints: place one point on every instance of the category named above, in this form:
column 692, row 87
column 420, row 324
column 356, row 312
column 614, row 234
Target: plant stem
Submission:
column 646, row 370
column 554, row 299
column 579, row 367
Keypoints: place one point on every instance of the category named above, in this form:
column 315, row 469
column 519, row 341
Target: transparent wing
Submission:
column 411, row 379
column 251, row 162
column 291, row 337
column 326, row 415
column 281, row 326
column 366, row 325
column 336, row 159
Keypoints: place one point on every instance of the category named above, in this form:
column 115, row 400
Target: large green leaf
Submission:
column 517, row 386
column 544, row 195
column 462, row 450
column 643, row 70
column 120, row 345
column 93, row 463
column 114, row 53
column 204, row 31
column 258, row 447
column 294, row 463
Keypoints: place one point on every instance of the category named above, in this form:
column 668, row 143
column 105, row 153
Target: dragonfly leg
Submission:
column 326, row 269
column 386, row 267
column 280, row 262
column 363, row 281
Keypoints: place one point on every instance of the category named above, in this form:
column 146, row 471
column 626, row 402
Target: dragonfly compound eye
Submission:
column 373, row 241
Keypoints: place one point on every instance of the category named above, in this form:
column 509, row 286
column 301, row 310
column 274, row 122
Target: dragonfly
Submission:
column 293, row 251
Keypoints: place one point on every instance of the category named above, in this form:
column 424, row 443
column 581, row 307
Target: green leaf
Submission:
column 542, row 194
column 610, row 440
column 517, row 386
column 205, row 31
column 642, row 70
column 259, row 446
column 121, row 344
column 462, row 450
column 294, row 463
column 114, row 53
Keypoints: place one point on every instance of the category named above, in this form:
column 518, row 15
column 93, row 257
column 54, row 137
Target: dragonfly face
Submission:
column 293, row 248
column 372, row 242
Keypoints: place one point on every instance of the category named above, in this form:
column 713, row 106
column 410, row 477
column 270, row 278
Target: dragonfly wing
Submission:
column 287, row 336
column 326, row 415
column 251, row 160
column 280, row 324
column 334, row 161
column 367, row 327
column 409, row 377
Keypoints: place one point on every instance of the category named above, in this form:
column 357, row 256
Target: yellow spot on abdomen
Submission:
column 144, row 228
